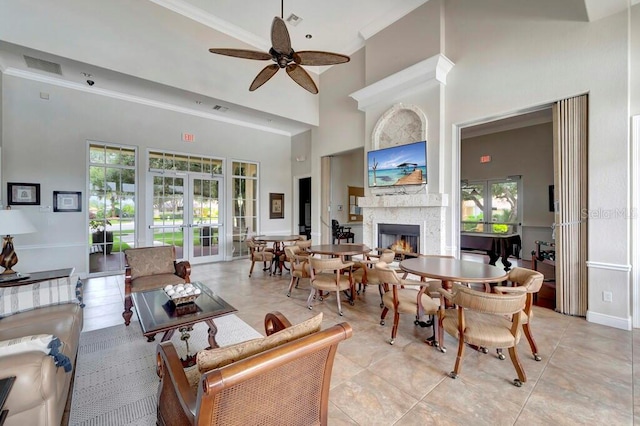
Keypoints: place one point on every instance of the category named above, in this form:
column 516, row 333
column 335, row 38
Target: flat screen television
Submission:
column 398, row 166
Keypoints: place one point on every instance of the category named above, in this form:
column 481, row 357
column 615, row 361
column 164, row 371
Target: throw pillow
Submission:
column 210, row 359
column 21, row 298
column 45, row 343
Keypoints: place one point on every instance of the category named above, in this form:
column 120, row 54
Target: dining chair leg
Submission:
column 456, row 368
column 522, row 377
column 253, row 263
column 383, row 315
column 381, row 294
column 291, row 285
column 339, row 305
column 441, row 346
column 394, row 330
column 532, row 342
column 313, row 290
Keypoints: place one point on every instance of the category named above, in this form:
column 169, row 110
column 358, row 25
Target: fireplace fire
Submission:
column 400, row 238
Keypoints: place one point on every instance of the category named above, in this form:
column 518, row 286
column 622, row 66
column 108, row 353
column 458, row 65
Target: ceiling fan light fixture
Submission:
column 284, row 56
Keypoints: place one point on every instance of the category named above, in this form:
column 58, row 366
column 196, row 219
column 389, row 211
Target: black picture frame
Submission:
column 276, row 205
column 23, row 194
column 67, row 201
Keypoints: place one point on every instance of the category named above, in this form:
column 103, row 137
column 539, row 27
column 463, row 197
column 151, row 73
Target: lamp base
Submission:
column 8, row 257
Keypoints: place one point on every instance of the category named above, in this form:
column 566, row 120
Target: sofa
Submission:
column 40, row 327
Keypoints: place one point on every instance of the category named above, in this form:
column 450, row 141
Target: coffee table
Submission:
column 159, row 314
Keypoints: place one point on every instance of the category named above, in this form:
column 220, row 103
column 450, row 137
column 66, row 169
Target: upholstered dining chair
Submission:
column 148, row 268
column 531, row 281
column 402, row 299
column 329, row 275
column 365, row 274
column 480, row 319
column 259, row 253
column 298, row 265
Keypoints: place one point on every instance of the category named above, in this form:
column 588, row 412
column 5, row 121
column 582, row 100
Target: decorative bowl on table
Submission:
column 182, row 294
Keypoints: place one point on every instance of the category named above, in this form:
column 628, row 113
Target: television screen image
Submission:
column 399, row 165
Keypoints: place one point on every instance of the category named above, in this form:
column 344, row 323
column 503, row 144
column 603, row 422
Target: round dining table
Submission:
column 340, row 250
column 449, row 270
column 278, row 241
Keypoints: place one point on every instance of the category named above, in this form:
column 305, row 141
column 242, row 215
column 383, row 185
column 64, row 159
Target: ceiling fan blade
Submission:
column 318, row 58
column 300, row 76
column 280, row 40
column 242, row 53
column 263, row 76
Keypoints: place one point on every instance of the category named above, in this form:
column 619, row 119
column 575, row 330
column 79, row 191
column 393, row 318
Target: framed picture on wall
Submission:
column 67, row 201
column 23, row 194
column 276, row 206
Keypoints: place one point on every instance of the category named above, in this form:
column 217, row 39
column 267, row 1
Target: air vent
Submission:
column 293, row 19
column 42, row 65
column 220, row 108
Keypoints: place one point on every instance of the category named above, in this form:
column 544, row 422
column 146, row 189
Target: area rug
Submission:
column 116, row 381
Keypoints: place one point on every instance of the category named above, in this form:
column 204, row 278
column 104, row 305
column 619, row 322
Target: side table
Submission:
column 35, row 277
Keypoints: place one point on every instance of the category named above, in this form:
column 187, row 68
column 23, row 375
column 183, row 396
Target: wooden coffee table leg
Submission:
column 212, row 334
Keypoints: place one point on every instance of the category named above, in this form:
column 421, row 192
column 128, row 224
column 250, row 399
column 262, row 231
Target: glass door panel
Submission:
column 504, row 207
column 473, row 204
column 206, row 219
column 168, row 212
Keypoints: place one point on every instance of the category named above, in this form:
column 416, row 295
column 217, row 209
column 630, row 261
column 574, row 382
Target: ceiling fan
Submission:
column 285, row 57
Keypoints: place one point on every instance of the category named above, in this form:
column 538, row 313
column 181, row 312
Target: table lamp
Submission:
column 12, row 222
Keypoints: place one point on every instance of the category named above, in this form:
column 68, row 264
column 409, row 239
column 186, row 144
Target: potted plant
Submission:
column 100, row 235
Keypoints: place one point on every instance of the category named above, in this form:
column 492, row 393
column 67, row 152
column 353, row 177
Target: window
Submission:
column 112, row 193
column 245, row 205
column 491, row 205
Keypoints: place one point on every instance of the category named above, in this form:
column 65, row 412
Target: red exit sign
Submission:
column 188, row 137
column 485, row 159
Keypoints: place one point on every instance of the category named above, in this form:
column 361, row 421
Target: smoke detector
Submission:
column 294, row 20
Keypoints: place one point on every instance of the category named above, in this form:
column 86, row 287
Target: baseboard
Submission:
column 609, row 321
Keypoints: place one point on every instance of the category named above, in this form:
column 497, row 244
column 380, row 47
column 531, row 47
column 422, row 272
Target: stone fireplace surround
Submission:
column 402, row 124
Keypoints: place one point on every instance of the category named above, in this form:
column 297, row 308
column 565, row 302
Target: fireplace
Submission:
column 400, row 238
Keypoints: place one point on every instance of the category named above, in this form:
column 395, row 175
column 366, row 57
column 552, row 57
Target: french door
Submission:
column 188, row 213
column 492, row 206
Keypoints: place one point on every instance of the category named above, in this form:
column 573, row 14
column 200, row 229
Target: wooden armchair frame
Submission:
column 288, row 384
column 182, row 269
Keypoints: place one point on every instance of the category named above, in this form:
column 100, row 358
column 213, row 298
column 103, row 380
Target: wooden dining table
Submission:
column 278, row 248
column 340, row 250
column 449, row 270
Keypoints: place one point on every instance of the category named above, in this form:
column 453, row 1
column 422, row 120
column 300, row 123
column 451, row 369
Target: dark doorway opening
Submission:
column 304, row 208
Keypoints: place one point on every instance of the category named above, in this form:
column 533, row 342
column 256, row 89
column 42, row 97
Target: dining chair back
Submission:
column 329, row 275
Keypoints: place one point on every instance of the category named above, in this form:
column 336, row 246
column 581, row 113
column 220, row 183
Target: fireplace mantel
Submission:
column 405, row 200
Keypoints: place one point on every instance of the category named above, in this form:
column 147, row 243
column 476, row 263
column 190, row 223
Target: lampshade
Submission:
column 14, row 222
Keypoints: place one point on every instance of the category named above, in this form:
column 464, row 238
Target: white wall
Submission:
column 45, row 142
column 507, row 61
column 528, row 152
column 346, row 170
column 634, row 52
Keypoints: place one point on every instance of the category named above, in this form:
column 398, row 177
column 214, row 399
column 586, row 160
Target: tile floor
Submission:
column 586, row 376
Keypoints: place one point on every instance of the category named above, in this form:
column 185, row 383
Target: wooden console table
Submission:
column 36, row 277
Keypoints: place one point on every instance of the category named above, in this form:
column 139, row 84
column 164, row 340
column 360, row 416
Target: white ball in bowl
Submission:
column 168, row 287
column 171, row 292
column 197, row 291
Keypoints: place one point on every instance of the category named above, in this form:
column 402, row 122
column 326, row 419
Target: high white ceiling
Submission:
column 156, row 51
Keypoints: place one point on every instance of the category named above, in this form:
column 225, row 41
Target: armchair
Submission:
column 480, row 320
column 365, row 274
column 339, row 232
column 285, row 384
column 259, row 253
column 299, row 265
column 149, row 268
column 328, row 275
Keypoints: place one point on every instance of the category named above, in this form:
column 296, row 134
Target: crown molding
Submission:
column 189, row 11
column 433, row 69
column 28, row 75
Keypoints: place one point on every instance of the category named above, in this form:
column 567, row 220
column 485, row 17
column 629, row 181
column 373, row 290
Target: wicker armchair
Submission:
column 340, row 232
column 403, row 300
column 148, row 268
column 285, row 385
column 480, row 320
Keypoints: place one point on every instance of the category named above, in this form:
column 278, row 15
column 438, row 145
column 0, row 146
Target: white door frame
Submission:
column 635, row 226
